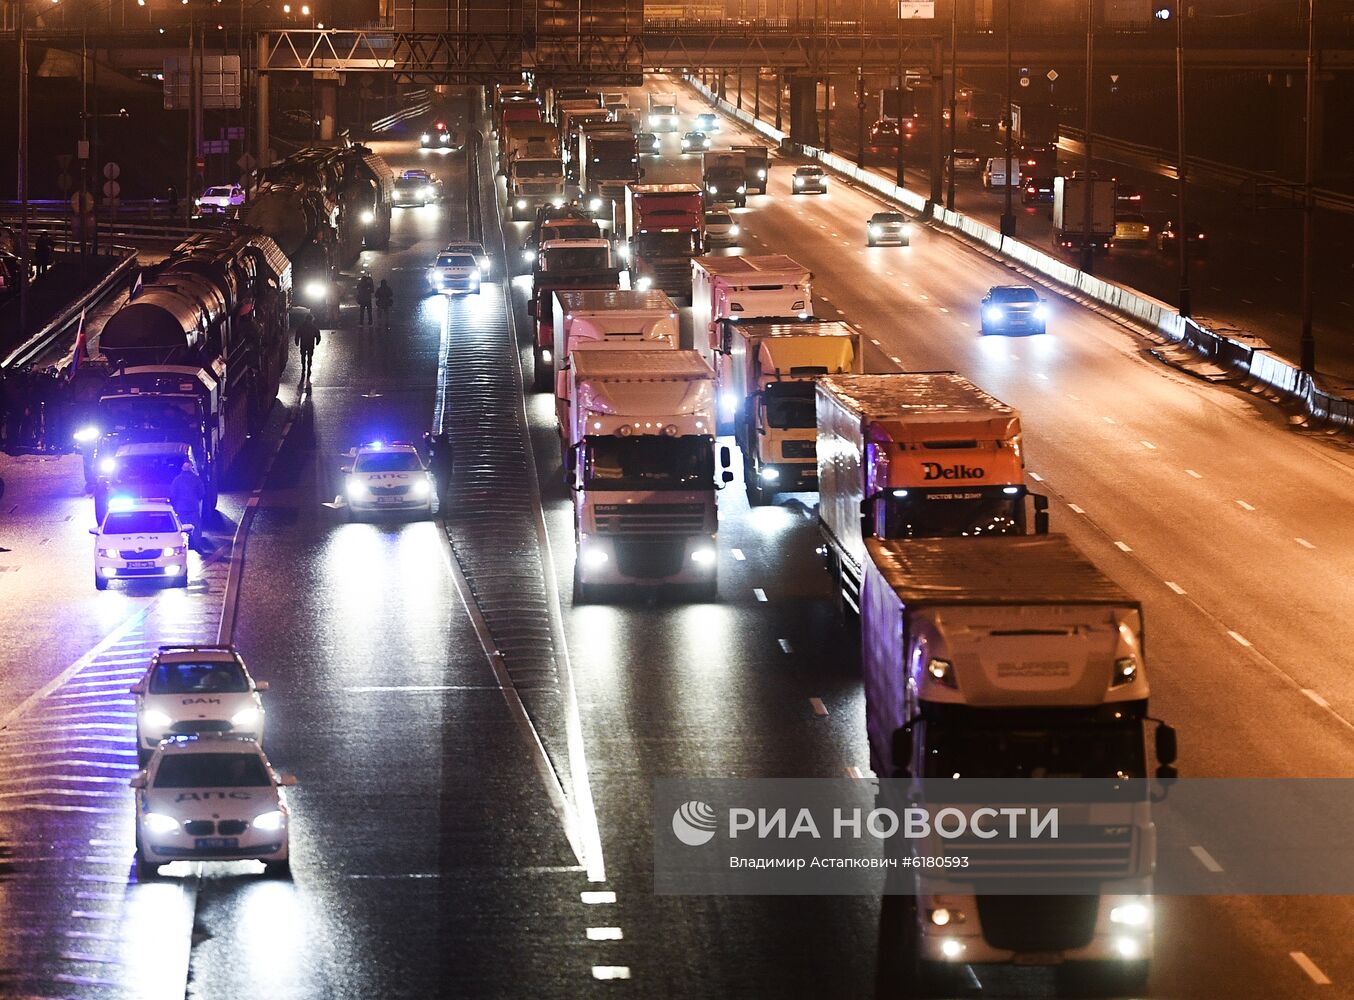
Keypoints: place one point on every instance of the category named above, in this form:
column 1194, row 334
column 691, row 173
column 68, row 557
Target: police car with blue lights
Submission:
column 211, row 798
column 388, row 477
column 140, row 540
column 196, row 690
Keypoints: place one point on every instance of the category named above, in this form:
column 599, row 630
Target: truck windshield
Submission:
column 576, row 259
column 790, row 405
column 952, row 513
column 650, row 462
column 166, row 413
column 1099, row 750
column 149, row 470
column 538, row 168
column 667, row 244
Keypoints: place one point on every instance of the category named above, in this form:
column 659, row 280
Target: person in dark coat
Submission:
column 365, row 289
column 43, row 252
column 307, row 338
column 185, row 496
column 441, row 463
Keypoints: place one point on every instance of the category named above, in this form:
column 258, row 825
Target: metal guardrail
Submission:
column 31, row 348
column 405, row 114
column 1254, row 363
column 1209, row 172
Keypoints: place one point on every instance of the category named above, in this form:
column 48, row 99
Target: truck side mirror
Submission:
column 725, row 458
column 1040, row 514
column 570, row 461
column 1165, row 744
column 867, row 518
column 531, row 308
column 902, row 750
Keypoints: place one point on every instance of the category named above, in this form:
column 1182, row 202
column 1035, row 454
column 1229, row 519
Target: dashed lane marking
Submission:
column 785, row 646
column 1303, row 962
column 1175, row 587
column 604, row 934
column 1314, row 696
column 611, row 972
column 1122, row 547
column 1148, row 445
column 819, row 709
column 1192, row 474
column 595, row 896
column 1241, row 639
column 737, row 554
column 1205, row 859
column 1075, row 509
column 759, row 593
column 853, row 773
column 1304, row 543
column 1036, row 477
column 1244, row 505
column 1109, row 420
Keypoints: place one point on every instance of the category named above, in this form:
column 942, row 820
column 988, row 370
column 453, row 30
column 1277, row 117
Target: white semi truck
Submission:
column 641, row 462
column 915, row 455
column 771, row 286
column 765, row 374
column 663, row 112
column 1013, row 658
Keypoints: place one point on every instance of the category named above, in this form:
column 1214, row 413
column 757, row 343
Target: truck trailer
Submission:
column 663, row 112
column 664, row 229
column 1070, row 230
column 1016, row 659
column 915, row 455
column 641, row 461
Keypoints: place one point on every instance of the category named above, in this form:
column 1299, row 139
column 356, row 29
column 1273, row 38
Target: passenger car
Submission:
column 416, row 187
column 649, row 143
column 221, row 199
column 454, row 272
column 388, row 477
column 1013, row 309
column 1170, row 232
column 810, row 179
column 140, row 540
column 475, row 250
column 1131, row 228
column 720, row 228
column 196, row 690
column 438, row 137
column 695, row 142
column 967, row 162
column 211, row 798
column 707, row 121
column 889, row 227
column 1036, row 189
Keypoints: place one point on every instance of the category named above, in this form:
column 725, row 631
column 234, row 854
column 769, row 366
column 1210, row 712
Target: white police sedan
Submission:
column 196, row 690
column 455, row 272
column 388, row 477
column 140, row 540
column 211, row 798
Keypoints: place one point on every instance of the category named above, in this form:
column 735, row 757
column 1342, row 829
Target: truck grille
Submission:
column 1038, row 923
column 799, row 449
column 654, row 519
column 672, row 275
column 1081, row 851
column 650, row 558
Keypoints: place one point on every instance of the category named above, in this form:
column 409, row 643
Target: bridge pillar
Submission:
column 780, row 100
column 719, row 87
column 1295, row 115
column 328, row 110
column 740, row 88
column 804, row 110
column 261, row 104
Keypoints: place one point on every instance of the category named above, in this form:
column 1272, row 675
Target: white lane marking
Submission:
column 1036, row 477
column 1041, row 376
column 738, row 554
column 604, row 934
column 1073, row 395
column 1244, row 505
column 1109, row 420
column 895, row 360
column 423, row 688
column 1303, row 962
column 1148, row 445
column 1304, row 543
column 875, row 342
column 759, row 593
column 923, row 295
column 785, row 646
column 1316, row 697
column 611, row 972
column 594, row 896
column 1075, row 509
column 824, row 298
column 853, row 773
column 819, row 709
column 1122, row 547
column 1205, row 859
column 964, row 323
column 1239, row 637
column 1191, row 472
column 1176, row 587
column 943, row 309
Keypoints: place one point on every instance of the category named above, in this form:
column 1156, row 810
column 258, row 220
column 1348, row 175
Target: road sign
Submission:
column 210, row 146
column 82, row 148
column 913, row 10
column 111, row 171
column 234, row 132
column 111, row 189
column 1024, row 81
column 246, row 162
column 1052, row 75
column 1114, row 78
column 82, row 198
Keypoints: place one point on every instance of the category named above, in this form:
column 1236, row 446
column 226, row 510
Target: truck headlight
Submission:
column 595, row 205
column 761, row 175
column 713, row 189
column 521, row 204
column 159, row 823
column 770, row 475
column 594, row 558
column 951, row 948
column 623, row 251
column 703, row 556
column 1127, row 947
column 1125, row 671
column 86, row 434
column 317, row 290
column 269, row 821
column 941, row 671
column 1131, row 915
column 368, row 217
column 644, row 284
column 529, row 256
column 357, row 490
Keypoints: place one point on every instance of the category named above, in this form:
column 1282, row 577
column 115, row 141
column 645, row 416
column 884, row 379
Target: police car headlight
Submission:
column 521, row 204
column 419, row 490
column 368, row 218
column 159, row 823
column 357, row 490
column 108, row 553
column 108, row 465
column 155, row 720
column 761, row 175
column 316, row 290
column 170, row 553
column 269, row 821
column 244, row 718
column 86, row 434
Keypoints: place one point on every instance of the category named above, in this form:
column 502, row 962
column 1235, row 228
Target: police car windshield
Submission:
column 388, row 461
column 455, row 260
column 139, row 522
column 198, row 678
column 212, row 770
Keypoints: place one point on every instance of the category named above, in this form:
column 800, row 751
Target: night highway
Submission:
column 477, row 741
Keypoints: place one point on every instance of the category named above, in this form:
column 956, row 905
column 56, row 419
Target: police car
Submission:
column 388, row 477
column 475, row 250
column 211, row 798
column 438, row 137
column 140, row 540
column 455, row 272
column 196, row 690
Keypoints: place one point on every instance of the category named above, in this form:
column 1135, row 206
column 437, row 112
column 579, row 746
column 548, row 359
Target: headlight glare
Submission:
column 159, row 823
column 245, row 717
column 269, row 821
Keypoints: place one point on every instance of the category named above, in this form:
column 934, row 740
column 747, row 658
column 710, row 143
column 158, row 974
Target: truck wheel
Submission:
column 1109, row 978
column 543, row 375
column 900, row 971
column 756, row 495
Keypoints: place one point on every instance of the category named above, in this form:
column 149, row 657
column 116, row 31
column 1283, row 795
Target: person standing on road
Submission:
column 365, row 289
column 185, row 496
column 42, row 253
column 441, row 462
column 385, row 299
column 307, row 337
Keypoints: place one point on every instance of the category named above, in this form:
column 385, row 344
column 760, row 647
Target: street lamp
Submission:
column 1308, row 339
column 1182, row 251
column 1087, row 250
column 22, row 170
column 1008, row 226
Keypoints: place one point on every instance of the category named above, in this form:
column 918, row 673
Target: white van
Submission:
column 996, row 175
